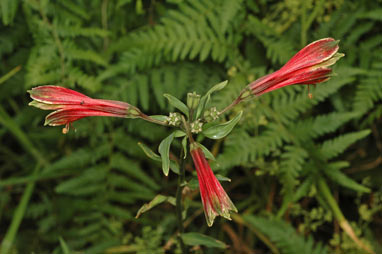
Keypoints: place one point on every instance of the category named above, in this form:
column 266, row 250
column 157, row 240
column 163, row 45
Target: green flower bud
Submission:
column 196, row 126
column 211, row 114
column 193, row 100
column 174, row 119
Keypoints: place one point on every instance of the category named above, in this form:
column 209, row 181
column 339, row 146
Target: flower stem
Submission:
column 179, row 202
column 230, row 106
column 150, row 119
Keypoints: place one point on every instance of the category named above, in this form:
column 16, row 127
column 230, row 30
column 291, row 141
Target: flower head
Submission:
column 215, row 199
column 71, row 106
column 308, row 66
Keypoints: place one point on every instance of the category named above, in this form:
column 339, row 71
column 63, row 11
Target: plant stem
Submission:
column 344, row 224
column 18, row 216
column 179, row 202
column 230, row 106
column 150, row 119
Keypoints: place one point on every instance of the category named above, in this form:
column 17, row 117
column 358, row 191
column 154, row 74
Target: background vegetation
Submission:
column 299, row 167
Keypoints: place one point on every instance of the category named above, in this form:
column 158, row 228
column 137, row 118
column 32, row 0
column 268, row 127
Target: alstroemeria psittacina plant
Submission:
column 71, row 106
column 308, row 66
column 215, row 199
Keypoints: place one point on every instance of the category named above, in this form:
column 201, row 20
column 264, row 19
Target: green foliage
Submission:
column 80, row 192
column 285, row 236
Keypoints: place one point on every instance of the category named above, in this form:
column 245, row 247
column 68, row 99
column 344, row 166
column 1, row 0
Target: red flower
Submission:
column 308, row 66
column 215, row 199
column 71, row 106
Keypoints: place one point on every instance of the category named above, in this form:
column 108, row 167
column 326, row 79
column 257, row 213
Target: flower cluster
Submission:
column 309, row 66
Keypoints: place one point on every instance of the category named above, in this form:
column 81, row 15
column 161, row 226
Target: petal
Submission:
column 312, row 54
column 64, row 116
column 58, row 95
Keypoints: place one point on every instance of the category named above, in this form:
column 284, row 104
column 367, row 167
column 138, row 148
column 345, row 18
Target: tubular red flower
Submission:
column 71, row 106
column 215, row 200
column 308, row 66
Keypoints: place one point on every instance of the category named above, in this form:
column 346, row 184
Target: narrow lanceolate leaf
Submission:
column 221, row 130
column 149, row 153
column 164, row 150
column 194, row 238
column 207, row 152
column 337, row 176
column 206, row 98
column 177, row 103
column 158, row 199
column 64, row 246
column 179, row 133
column 184, row 144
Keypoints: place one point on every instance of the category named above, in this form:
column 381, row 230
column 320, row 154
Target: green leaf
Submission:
column 177, row 103
column 8, row 10
column 164, row 150
column 223, row 178
column 64, row 246
column 158, row 199
column 207, row 152
column 337, row 176
column 150, row 153
column 206, row 98
column 194, row 238
column 333, row 147
column 184, row 144
column 179, row 133
column 221, row 130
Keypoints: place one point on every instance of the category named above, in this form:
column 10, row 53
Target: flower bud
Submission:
column 196, row 126
column 174, row 119
column 193, row 100
column 211, row 114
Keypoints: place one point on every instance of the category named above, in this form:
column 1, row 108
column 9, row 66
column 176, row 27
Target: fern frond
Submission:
column 284, row 236
column 332, row 148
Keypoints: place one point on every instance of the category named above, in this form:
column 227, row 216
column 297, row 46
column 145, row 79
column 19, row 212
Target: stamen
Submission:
column 65, row 129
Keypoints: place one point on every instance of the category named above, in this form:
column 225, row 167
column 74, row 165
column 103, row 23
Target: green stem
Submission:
column 344, row 224
column 150, row 119
column 10, row 74
column 230, row 106
column 179, row 202
column 18, row 216
column 303, row 24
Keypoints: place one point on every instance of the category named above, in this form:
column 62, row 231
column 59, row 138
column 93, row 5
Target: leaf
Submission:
column 333, row 147
column 177, row 103
column 164, row 150
column 222, row 178
column 179, row 133
column 206, row 98
column 8, row 10
column 194, row 238
column 221, row 130
column 64, row 246
column 184, row 144
column 337, row 176
column 158, row 199
column 207, row 152
column 150, row 153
